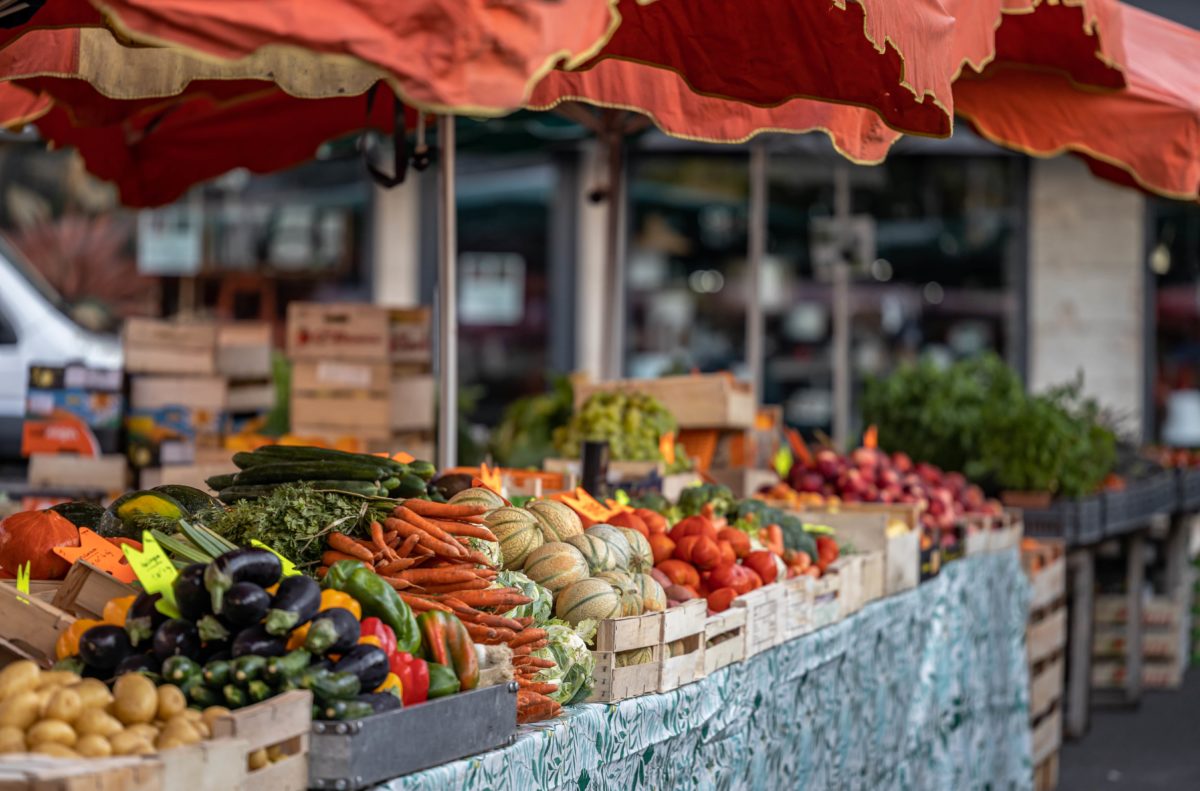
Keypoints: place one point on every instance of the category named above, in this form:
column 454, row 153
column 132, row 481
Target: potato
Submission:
column 275, row 753
column 166, row 742
column 12, row 740
column 20, row 710
column 93, row 746
column 63, row 705
column 18, row 677
column 50, row 730
column 214, row 713
column 170, row 701
column 56, row 678
column 54, row 749
column 202, row 728
column 135, row 699
column 258, row 759
column 93, row 693
column 148, row 731
column 179, row 728
column 126, row 743
column 97, row 722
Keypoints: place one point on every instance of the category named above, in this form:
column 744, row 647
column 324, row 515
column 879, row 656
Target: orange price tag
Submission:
column 586, row 505
column 491, row 478
column 666, row 447
column 100, row 553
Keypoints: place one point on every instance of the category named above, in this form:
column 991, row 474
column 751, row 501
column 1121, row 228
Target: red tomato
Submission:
column 655, row 522
column 737, row 539
column 720, row 599
column 630, row 520
column 692, row 526
column 701, row 551
column 662, row 546
column 762, row 562
column 726, row 575
column 728, row 554
column 680, row 572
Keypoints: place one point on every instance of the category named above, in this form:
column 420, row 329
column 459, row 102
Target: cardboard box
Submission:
column 153, row 346
column 244, row 350
column 413, row 403
column 95, row 474
column 347, row 331
column 243, row 397
column 340, row 376
column 696, row 401
column 411, row 331
column 364, row 415
column 95, row 397
column 743, row 481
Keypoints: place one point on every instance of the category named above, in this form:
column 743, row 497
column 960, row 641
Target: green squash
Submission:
column 132, row 513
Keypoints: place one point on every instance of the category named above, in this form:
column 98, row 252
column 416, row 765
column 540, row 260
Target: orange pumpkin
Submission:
column 680, row 572
column 28, row 537
column 662, row 546
column 737, row 539
column 655, row 522
column 701, row 551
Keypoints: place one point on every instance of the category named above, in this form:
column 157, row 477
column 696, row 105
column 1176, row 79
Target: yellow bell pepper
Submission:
column 392, row 682
column 331, row 598
column 115, row 610
column 297, row 638
column 68, row 642
column 370, row 639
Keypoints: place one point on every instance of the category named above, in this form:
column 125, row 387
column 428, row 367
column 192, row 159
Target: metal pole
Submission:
column 447, row 291
column 841, row 312
column 614, row 359
column 757, row 232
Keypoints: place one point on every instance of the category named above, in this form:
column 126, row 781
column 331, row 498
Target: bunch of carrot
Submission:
column 423, row 552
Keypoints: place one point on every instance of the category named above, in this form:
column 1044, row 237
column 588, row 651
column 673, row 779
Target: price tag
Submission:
column 100, row 553
column 622, row 497
column 783, row 462
column 155, row 571
column 289, row 568
column 666, row 447
column 23, row 573
column 491, row 478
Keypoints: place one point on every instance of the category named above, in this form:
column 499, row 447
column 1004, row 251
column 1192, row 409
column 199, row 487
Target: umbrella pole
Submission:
column 757, row 232
column 614, row 361
column 447, row 446
column 841, row 311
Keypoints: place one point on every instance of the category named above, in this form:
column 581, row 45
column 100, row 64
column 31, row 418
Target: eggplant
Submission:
column 333, row 631
column 255, row 641
column 258, row 566
column 176, row 637
column 368, row 662
column 380, row 701
column 143, row 618
column 246, row 604
column 212, row 629
column 103, row 647
column 190, row 593
column 137, row 663
column 296, row 602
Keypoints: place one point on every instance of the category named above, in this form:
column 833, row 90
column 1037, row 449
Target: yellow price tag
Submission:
column 783, row 462
column 23, row 573
column 155, row 571
column 289, row 568
column 622, row 497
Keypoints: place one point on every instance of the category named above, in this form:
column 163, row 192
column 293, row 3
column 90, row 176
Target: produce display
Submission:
column 631, row 423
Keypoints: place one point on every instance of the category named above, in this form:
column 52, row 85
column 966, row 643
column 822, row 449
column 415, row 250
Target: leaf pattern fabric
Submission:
column 926, row 690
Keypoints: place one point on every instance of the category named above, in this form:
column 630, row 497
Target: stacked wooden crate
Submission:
column 1046, row 639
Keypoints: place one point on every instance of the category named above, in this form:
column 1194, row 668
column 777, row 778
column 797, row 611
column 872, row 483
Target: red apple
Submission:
column 902, row 462
column 828, row 464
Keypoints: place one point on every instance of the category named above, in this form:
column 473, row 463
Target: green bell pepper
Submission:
column 443, row 681
column 378, row 600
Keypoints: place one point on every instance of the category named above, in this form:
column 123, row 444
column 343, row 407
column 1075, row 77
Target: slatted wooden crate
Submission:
column 683, row 645
column 796, row 615
column 30, row 626
column 724, row 639
column 280, row 725
column 612, row 682
column 1046, row 639
column 86, row 589
column 762, row 608
column 827, row 607
column 848, row 569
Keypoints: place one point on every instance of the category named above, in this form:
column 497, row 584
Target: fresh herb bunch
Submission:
column 294, row 519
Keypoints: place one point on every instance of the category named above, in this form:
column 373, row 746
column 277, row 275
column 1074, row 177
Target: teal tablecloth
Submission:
column 926, row 690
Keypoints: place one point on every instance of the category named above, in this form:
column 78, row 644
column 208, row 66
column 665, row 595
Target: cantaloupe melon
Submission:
column 637, row 656
column 616, row 543
column 627, row 589
column 478, row 496
column 558, row 521
column 518, row 533
column 556, row 565
column 641, row 555
column 596, row 552
column 654, row 597
column 589, row 598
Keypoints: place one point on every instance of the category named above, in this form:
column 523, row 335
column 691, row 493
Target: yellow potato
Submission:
column 17, row 677
column 93, row 746
column 170, row 701
column 166, row 742
column 93, row 693
column 126, row 743
column 20, row 710
column 56, row 678
column 214, row 713
column 135, row 699
column 258, row 759
column 275, row 753
column 54, row 749
column 63, row 705
column 97, row 722
column 179, row 728
column 202, row 728
column 12, row 740
column 50, row 730
column 146, row 730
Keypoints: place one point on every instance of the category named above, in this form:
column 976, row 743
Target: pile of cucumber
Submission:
column 264, row 470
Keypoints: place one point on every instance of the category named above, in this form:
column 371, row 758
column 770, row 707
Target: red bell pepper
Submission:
column 377, row 628
column 414, row 677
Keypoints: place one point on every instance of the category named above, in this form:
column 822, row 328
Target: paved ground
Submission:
column 1149, row 748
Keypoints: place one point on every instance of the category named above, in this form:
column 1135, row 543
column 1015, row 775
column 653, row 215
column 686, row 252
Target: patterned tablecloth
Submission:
column 926, row 690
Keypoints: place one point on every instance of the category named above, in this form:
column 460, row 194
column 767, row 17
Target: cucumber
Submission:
column 364, row 488
column 219, row 482
column 284, row 667
column 346, row 710
column 248, row 668
column 292, row 453
column 411, row 485
column 292, row 472
column 423, row 469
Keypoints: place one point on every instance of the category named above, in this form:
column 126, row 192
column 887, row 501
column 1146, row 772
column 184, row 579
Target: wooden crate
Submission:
column 725, row 639
column 1046, row 686
column 872, row 581
column 626, row 634
column 762, row 617
column 848, row 568
column 796, row 615
column 1045, row 774
column 696, row 401
column 31, row 626
column 1049, row 585
column 44, row 590
column 214, row 765
column 1047, row 735
column 1046, row 636
column 283, row 722
column 867, row 531
column 827, row 608
column 615, row 635
column 683, row 623
column 26, row 772
column 86, row 589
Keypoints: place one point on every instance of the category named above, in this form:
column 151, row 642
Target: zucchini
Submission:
column 205, row 696
column 292, row 472
column 180, row 669
column 258, row 691
column 411, row 485
column 294, row 453
column 218, row 673
column 346, row 710
column 327, row 685
column 219, row 482
column 423, row 469
column 281, row 668
column 364, row 488
column 235, row 697
column 248, row 668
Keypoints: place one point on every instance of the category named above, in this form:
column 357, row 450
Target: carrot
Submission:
column 482, row 634
column 406, row 547
column 378, row 541
column 432, row 545
column 322, row 571
column 535, row 661
column 467, row 529
column 443, row 510
column 528, row 648
column 480, row 558
column 466, row 613
column 527, row 636
column 396, row 583
column 493, row 597
column 526, row 621
column 422, row 604
column 392, row 566
column 485, row 574
column 344, row 543
column 454, row 588
column 390, row 538
column 429, row 527
column 532, row 706
column 448, row 576
column 534, row 686
column 329, row 557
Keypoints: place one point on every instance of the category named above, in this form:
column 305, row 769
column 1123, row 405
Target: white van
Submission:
column 35, row 329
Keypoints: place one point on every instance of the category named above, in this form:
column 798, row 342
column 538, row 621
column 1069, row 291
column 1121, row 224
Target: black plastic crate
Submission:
column 1187, row 486
column 1089, row 527
column 1140, row 501
column 1059, row 521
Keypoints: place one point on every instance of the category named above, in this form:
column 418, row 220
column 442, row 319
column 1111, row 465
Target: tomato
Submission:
column 720, row 599
column 693, row 526
column 680, row 572
column 662, row 546
column 700, row 551
column 762, row 563
column 737, row 539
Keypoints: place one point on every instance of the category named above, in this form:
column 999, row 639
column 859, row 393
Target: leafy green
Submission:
column 573, row 662
column 525, row 437
column 630, row 422
column 693, row 499
column 542, row 605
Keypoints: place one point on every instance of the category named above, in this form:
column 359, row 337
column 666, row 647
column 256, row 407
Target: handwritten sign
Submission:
column 289, row 568
column 155, row 571
column 101, row 553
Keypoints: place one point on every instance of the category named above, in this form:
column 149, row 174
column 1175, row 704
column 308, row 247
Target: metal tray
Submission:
column 355, row 754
